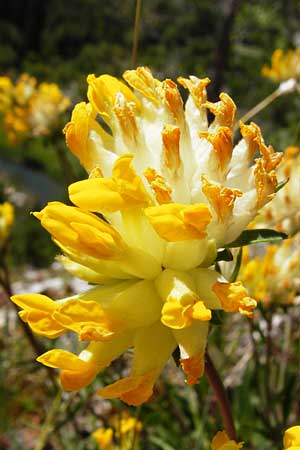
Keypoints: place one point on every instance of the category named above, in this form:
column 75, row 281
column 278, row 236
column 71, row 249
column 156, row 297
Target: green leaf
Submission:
column 281, row 184
column 237, row 266
column 224, row 255
column 249, row 237
column 161, row 443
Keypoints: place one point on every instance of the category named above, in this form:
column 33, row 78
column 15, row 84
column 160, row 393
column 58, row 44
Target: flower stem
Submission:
column 136, row 33
column 260, row 106
column 221, row 396
column 37, row 347
column 49, row 422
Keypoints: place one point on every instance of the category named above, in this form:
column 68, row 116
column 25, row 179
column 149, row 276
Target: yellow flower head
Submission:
column 29, row 109
column 283, row 213
column 283, row 66
column 123, row 433
column 221, row 441
column 165, row 190
column 273, row 277
column 104, row 438
column 291, row 439
column 6, row 93
column 6, row 221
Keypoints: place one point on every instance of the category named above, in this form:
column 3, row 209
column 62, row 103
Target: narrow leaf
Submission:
column 237, row 266
column 281, row 184
column 249, row 237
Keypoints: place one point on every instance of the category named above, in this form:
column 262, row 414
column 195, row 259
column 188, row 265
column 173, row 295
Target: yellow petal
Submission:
column 77, row 133
column 38, row 313
column 128, row 304
column 170, row 148
column 123, row 191
column 102, row 93
column 182, row 305
column 197, row 88
column 83, row 272
column 221, row 441
column 147, row 364
column 265, row 183
column 142, row 80
column 81, row 231
column 76, row 373
column 234, row 298
column 192, row 344
column 159, row 186
column 193, row 367
column 177, row 222
column 103, row 437
column 133, row 390
column 171, row 98
column 87, row 319
column 292, row 438
column 221, row 198
column 224, row 110
column 222, row 144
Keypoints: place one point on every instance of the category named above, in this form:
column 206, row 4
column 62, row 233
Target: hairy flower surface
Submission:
column 283, row 65
column 221, row 441
column 291, row 439
column 166, row 190
column 283, row 213
column 29, row 109
column 273, row 277
column 6, row 221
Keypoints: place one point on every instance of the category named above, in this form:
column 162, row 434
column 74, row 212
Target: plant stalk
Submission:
column 49, row 423
column 136, row 33
column 221, row 396
column 260, row 106
column 36, row 346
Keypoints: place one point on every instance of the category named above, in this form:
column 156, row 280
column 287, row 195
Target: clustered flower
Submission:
column 291, row 438
column 166, row 189
column 283, row 213
column 123, row 434
column 28, row 109
column 6, row 221
column 273, row 277
column 284, row 66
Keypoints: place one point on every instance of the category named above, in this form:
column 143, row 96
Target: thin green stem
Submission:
column 136, row 33
column 135, row 431
column 287, row 330
column 49, row 423
column 221, row 396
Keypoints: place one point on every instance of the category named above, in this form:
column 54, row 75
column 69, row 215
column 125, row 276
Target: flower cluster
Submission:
column 29, row 109
column 166, row 189
column 283, row 213
column 284, row 66
column 273, row 277
column 291, row 439
column 221, row 441
column 123, row 434
column 6, row 221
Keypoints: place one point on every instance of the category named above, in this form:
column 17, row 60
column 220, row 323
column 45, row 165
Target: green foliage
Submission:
column 255, row 236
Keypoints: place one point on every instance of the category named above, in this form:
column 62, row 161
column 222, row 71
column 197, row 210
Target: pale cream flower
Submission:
column 283, row 213
column 273, row 276
column 166, row 190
